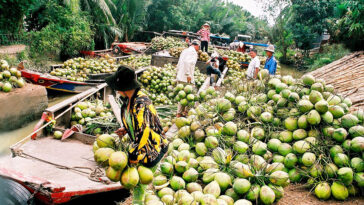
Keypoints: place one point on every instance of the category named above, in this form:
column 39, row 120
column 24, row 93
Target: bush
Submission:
column 63, row 37
column 330, row 53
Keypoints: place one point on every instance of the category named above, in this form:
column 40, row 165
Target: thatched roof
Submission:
column 347, row 76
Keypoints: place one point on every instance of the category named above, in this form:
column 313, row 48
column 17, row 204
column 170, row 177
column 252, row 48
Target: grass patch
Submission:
column 329, row 54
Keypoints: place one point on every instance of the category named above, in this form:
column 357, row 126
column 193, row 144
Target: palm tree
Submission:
column 101, row 16
column 130, row 16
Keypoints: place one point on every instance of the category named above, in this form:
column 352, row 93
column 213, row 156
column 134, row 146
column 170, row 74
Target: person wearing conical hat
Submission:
column 270, row 62
column 204, row 32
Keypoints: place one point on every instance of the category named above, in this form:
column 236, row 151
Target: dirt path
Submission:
column 13, row 49
column 295, row 195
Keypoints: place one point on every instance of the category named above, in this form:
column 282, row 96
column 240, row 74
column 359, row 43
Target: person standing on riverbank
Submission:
column 141, row 122
column 204, row 32
column 271, row 62
column 186, row 70
column 254, row 64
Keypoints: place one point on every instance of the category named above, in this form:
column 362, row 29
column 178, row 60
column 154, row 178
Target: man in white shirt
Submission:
column 254, row 64
column 186, row 69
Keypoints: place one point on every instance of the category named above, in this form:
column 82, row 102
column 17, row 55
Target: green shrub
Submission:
column 64, row 36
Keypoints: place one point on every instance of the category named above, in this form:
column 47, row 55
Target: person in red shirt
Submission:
column 204, row 32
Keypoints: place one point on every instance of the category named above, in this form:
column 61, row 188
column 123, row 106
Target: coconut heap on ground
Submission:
column 259, row 136
column 9, row 77
column 78, row 69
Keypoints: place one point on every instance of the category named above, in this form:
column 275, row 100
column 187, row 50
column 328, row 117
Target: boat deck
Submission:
column 70, row 153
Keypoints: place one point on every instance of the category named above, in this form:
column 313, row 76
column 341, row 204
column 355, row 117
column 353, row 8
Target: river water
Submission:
column 9, row 138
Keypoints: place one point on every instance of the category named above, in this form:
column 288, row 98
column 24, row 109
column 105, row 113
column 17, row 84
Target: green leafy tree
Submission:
column 12, row 13
column 64, row 35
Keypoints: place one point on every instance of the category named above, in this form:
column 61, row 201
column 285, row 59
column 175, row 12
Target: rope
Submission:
column 94, row 174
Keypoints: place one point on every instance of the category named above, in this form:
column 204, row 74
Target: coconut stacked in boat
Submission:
column 9, row 77
column 260, row 136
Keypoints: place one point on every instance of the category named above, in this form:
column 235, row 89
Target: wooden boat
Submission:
column 55, row 83
column 57, row 171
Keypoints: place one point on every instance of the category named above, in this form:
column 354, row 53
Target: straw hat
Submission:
column 206, row 24
column 270, row 48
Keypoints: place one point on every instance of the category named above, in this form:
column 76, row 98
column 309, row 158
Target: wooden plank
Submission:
column 219, row 82
column 116, row 109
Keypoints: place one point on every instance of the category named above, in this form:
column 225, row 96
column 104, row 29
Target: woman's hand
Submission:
column 121, row 132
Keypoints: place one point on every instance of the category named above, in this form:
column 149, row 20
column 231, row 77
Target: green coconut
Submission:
column 356, row 131
column 315, row 96
column 201, row 149
column 313, row 117
column 349, row 120
column 266, row 117
column 359, row 178
column 184, row 155
column 130, row 178
column 106, row 140
column 284, row 149
column 145, row 175
column 340, row 134
column 290, row 123
column 241, row 186
column 357, row 144
column 223, row 179
column 308, row 159
column 266, row 195
column 302, row 122
column 208, row 199
column 322, row 106
column 308, row 80
column 286, row 136
column 278, row 191
column 330, row 170
column 341, row 160
column 304, row 106
column 253, row 193
column 323, row 191
column 118, row 160
column 301, row 146
column 177, row 183
column 290, row 160
column 184, row 132
column 243, row 136
column 336, row 111
column 273, row 144
column 112, row 174
column 327, row 117
column 259, row 148
column 360, row 115
column 299, row 134
column 258, row 133
column 294, row 175
column 231, row 193
column 211, row 142
column 102, row 155
column 166, row 168
column 240, row 147
column 181, row 166
column 212, row 188
column 279, row 178
column 345, row 175
column 229, row 129
column 190, row 175
column 339, row 191
column 357, row 164
column 334, row 150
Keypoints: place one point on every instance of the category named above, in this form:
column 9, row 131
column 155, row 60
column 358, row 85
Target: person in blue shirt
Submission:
column 270, row 62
